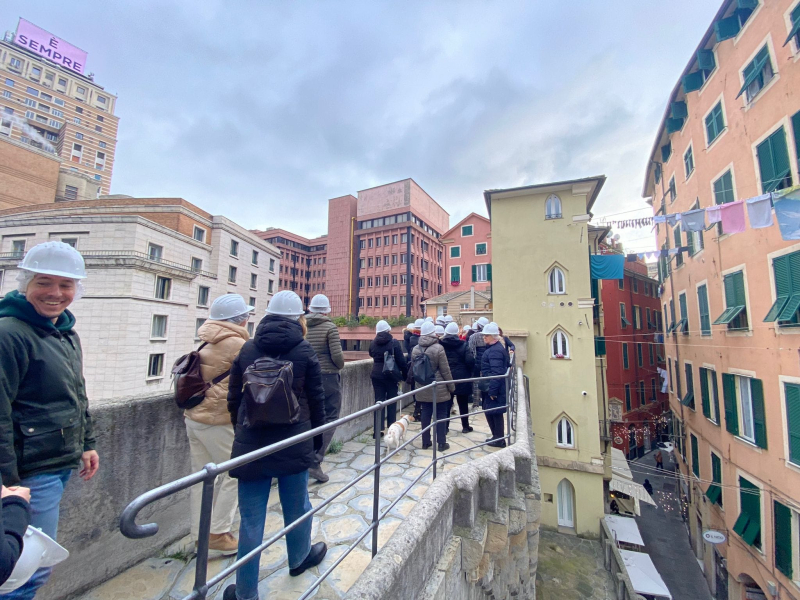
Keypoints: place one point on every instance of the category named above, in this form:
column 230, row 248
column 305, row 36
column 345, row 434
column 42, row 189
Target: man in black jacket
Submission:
column 462, row 365
column 45, row 427
column 385, row 384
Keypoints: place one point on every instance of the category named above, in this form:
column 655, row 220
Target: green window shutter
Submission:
column 726, row 29
column 657, row 173
column 682, row 303
column 783, row 538
column 715, row 394
column 781, row 267
column 794, row 31
column 666, row 152
column 723, row 189
column 715, row 123
column 455, row 274
column 714, row 494
column 674, row 125
column 790, row 308
column 625, row 362
column 792, row 392
column 705, row 60
column 678, row 110
column 695, row 456
column 704, row 394
column 740, row 297
column 676, row 234
column 750, row 500
column 690, row 243
column 773, row 161
column 729, row 398
column 716, row 469
column 692, row 82
column 796, row 116
column 741, row 523
column 753, row 69
column 702, row 300
column 488, row 272
column 734, row 292
column 474, row 273
column 600, row 346
column 747, row 4
column 759, row 417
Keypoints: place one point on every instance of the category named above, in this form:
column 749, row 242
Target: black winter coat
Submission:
column 495, row 362
column 384, row 342
column 406, row 339
column 461, row 362
column 413, row 340
column 283, row 338
column 15, row 517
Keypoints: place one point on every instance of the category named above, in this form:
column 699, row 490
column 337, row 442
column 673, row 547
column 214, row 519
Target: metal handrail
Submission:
column 207, row 476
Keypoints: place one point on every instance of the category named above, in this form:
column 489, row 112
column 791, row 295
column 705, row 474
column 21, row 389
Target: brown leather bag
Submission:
column 188, row 383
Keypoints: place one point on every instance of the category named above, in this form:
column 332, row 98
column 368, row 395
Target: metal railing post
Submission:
column 206, row 504
column 509, row 402
column 376, row 488
column 434, row 420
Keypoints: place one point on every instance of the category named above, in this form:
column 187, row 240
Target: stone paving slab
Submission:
column 338, row 524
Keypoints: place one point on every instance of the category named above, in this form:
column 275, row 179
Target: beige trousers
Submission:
column 212, row 443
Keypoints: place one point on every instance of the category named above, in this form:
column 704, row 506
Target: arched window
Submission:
column 552, row 207
column 560, row 346
column 556, row 282
column 566, row 504
column 565, row 434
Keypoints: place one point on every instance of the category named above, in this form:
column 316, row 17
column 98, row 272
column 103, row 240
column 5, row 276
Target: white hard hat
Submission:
column 320, row 304
column 448, row 318
column 38, row 550
column 429, row 319
column 285, row 304
column 410, row 326
column 382, row 326
column 440, row 320
column 54, row 258
column 438, row 329
column 418, row 323
column 483, row 321
column 467, row 327
column 428, row 328
column 451, row 329
column 228, row 306
column 491, row 329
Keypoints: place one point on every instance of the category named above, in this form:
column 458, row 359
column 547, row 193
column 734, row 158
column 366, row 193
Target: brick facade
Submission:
column 27, row 175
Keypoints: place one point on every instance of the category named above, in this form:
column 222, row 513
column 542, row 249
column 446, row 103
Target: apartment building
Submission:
column 731, row 131
column 57, row 109
column 468, row 254
column 154, row 266
column 303, row 262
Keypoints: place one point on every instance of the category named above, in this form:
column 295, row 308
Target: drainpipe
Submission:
column 472, row 297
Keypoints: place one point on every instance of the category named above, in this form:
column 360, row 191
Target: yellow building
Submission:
column 541, row 285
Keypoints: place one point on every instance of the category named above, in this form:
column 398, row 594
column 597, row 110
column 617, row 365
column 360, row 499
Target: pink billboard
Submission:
column 39, row 41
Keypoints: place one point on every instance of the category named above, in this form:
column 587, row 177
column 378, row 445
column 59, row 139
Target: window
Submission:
column 555, row 281
column 385, row 280
column 688, row 162
column 70, row 242
column 773, row 162
column 234, row 248
column 676, row 232
column 385, row 260
column 622, row 317
column 688, row 399
column 100, row 161
column 714, row 491
column 79, row 136
column 254, row 259
column 792, row 393
column 560, row 346
column 744, row 408
column 102, row 144
column 403, row 279
column 158, row 328
column 715, row 123
column 565, row 434
column 101, row 100
column 15, row 63
column 197, row 264
column 735, row 315
column 786, row 309
column 702, row 302
column 232, row 274
column 163, row 288
column 369, row 243
column 155, row 365
column 6, row 94
column 394, row 279
column 627, row 397
column 33, row 91
column 394, row 239
column 154, row 252
column 748, row 525
column 378, row 241
column 466, row 231
column 369, row 281
column 36, row 73
column 369, row 262
column 640, row 357
column 80, row 91
column 480, row 249
column 709, row 394
column 362, row 244
column 695, row 455
column 250, row 329
column 637, row 317
column 9, row 82
column 673, row 191
column 394, row 259
column 552, row 207
column 57, row 113
column 642, row 394
column 651, row 352
column 481, row 273
column 625, row 361
column 723, row 189
column 76, row 120
column 77, row 153
column 455, row 251
column 683, row 323
column 694, row 239
column 18, row 247
column 253, row 281
column 271, row 265
column 362, row 263
column 199, row 234
column 756, row 75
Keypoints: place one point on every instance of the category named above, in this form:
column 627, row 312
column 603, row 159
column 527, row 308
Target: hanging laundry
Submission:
column 607, row 266
column 659, row 219
column 694, row 220
column 732, row 217
column 640, row 256
column 713, row 214
column 673, row 251
column 787, row 211
column 759, row 210
column 663, row 253
column 652, row 256
column 673, row 219
column 664, row 379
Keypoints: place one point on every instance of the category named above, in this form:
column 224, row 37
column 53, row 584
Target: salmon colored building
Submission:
column 469, row 254
column 731, row 132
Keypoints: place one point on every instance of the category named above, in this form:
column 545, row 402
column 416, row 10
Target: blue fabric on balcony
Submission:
column 607, row 266
column 787, row 212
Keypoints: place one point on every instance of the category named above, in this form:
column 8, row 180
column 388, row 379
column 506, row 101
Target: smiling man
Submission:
column 45, row 428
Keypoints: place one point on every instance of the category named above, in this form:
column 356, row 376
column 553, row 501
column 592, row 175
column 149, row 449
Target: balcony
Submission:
column 605, row 430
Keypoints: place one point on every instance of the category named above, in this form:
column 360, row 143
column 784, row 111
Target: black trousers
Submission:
column 386, row 389
column 442, row 412
column 463, row 408
column 496, row 424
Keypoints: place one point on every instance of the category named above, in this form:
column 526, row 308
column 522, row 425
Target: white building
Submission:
column 154, row 267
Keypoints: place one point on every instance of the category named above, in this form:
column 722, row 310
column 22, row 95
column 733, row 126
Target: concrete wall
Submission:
column 473, row 536
column 142, row 444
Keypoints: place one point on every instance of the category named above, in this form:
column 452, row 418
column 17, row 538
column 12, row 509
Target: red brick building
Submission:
column 303, row 261
column 468, row 254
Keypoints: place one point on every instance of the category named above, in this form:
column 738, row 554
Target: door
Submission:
column 566, row 508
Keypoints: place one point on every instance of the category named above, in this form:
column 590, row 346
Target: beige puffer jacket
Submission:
column 224, row 341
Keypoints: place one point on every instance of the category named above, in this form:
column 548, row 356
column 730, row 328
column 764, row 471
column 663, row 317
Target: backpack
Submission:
column 268, row 395
column 423, row 370
column 188, row 383
column 390, row 368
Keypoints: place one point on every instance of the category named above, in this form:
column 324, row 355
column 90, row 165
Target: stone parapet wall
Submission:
column 474, row 535
column 615, row 565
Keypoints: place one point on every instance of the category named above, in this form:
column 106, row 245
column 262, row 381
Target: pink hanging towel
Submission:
column 732, row 217
column 712, row 212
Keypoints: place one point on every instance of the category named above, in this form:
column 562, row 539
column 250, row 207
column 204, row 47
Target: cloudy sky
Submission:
column 261, row 111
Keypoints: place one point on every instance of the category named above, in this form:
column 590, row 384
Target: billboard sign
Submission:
column 40, row 42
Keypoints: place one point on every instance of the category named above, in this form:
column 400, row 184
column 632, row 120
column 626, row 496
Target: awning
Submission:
column 631, row 488
column 619, row 464
column 624, row 530
column 643, row 574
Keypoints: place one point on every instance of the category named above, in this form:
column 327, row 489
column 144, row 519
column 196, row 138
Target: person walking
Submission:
column 280, row 335
column 413, row 339
column 323, row 336
column 385, row 384
column 494, row 361
column 477, row 346
column 659, row 460
column 462, row 364
column 648, row 486
column 208, row 424
column 43, row 405
column 430, row 346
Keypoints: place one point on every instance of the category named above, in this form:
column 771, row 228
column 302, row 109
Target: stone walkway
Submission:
column 571, row 568
column 339, row 525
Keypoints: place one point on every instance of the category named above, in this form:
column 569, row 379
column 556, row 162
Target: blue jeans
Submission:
column 46, row 492
column 253, row 498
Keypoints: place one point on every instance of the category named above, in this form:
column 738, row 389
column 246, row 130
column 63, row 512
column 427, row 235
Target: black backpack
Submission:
column 390, row 368
column 422, row 367
column 268, row 395
column 188, row 383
